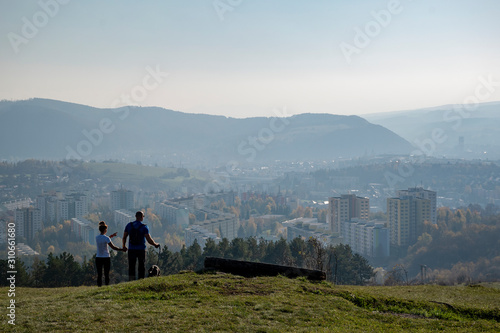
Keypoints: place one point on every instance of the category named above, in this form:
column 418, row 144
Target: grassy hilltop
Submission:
column 226, row 303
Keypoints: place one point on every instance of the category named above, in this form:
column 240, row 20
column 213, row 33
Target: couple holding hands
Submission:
column 138, row 233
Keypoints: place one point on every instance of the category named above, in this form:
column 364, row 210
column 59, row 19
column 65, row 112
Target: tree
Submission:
column 224, row 247
column 251, row 228
column 119, row 267
column 192, row 257
column 211, row 249
column 344, row 267
column 89, row 272
column 241, row 232
column 62, row 271
column 253, row 249
column 152, row 257
column 397, row 276
column 298, row 251
column 154, row 221
column 308, row 212
column 37, row 272
column 22, row 277
column 239, row 249
column 316, row 254
column 174, row 265
column 282, row 253
column 299, row 212
column 322, row 215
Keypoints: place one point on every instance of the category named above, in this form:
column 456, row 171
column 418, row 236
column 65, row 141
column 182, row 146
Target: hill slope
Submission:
column 478, row 125
column 226, row 303
column 48, row 129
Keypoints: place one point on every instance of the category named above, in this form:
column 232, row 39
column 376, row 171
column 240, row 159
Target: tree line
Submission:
column 462, row 247
column 341, row 265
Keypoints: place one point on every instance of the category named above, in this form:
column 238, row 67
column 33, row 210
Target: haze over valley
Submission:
column 354, row 141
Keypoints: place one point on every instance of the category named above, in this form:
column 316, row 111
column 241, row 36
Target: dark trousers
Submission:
column 100, row 264
column 133, row 256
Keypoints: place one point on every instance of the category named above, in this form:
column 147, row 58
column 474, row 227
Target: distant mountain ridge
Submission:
column 50, row 129
column 477, row 125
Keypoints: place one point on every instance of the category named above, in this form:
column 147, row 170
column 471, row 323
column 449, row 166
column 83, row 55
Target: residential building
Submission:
column 28, row 222
column 345, row 208
column 173, row 213
column 25, row 250
column 84, row 230
column 228, row 198
column 47, row 203
column 122, row 217
column 73, row 205
column 192, row 202
column 420, row 193
column 224, row 225
column 62, row 210
column 405, row 217
column 368, row 238
column 16, row 204
column 122, row 199
column 200, row 234
column 306, row 228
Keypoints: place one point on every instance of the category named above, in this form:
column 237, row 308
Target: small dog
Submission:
column 154, row 271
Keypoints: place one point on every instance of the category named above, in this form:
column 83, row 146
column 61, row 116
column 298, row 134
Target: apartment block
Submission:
column 16, row 204
column 122, row 199
column 420, row 193
column 73, row 205
column 368, row 238
column 306, row 228
column 28, row 222
column 173, row 213
column 225, row 225
column 62, row 210
column 200, row 234
column 406, row 216
column 122, row 217
column 345, row 208
column 84, row 230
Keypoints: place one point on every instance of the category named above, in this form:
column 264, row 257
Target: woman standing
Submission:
column 103, row 259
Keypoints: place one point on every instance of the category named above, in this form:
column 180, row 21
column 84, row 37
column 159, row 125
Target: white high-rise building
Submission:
column 84, row 229
column 368, row 238
column 123, row 217
column 173, row 213
column 62, row 212
column 201, row 235
column 73, row 205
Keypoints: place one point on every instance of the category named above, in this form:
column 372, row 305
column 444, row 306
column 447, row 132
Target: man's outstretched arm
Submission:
column 151, row 241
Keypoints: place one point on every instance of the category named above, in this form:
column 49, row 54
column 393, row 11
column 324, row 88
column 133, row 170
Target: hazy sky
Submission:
column 244, row 58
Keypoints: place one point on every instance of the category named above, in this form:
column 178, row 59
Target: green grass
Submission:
column 225, row 303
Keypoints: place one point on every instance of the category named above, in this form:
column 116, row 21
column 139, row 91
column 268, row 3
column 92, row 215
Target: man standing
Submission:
column 138, row 233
